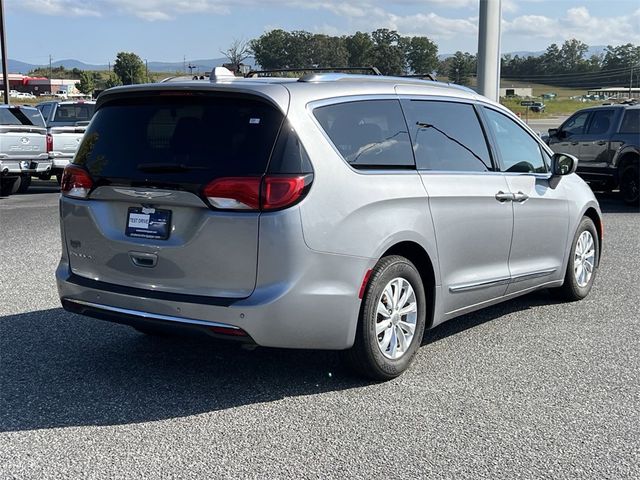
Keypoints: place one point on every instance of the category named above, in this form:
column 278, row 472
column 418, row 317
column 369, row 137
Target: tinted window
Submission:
column 289, row 155
column 369, row 133
column 179, row 139
column 46, row 110
column 21, row 116
column 631, row 121
column 447, row 136
column 575, row 125
column 600, row 122
column 518, row 150
column 77, row 112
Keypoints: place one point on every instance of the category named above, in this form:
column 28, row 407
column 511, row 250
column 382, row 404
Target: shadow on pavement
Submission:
column 611, row 202
column 59, row 369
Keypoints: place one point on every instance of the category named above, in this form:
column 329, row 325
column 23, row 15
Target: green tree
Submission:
column 461, row 67
column 129, row 68
column 112, row 81
column 270, row 49
column 572, row 55
column 87, row 83
column 422, row 54
column 387, row 52
column 359, row 47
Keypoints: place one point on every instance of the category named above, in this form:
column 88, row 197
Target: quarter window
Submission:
column 447, row 136
column 368, row 133
column 519, row 152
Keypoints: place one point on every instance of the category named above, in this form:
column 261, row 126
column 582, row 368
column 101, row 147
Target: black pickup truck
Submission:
column 606, row 140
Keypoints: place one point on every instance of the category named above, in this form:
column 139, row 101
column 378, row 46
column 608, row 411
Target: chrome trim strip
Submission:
column 478, row 285
column 530, row 275
column 151, row 316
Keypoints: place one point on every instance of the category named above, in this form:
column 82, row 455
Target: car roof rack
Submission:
column 419, row 76
column 266, row 73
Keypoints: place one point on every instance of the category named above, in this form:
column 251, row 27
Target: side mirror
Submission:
column 563, row 164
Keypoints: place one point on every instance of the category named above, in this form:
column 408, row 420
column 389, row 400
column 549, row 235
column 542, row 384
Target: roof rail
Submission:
column 419, row 76
column 256, row 73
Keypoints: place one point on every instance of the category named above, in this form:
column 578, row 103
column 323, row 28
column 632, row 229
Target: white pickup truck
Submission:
column 66, row 123
column 23, row 151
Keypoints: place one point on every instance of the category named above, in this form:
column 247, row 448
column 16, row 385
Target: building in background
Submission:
column 42, row 86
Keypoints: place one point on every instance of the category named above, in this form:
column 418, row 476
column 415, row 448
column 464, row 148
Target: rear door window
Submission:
column 600, row 122
column 179, row 139
column 518, row 150
column 447, row 136
column 368, row 133
column 631, row 121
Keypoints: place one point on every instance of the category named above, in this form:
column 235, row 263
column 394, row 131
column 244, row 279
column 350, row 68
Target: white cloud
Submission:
column 577, row 23
column 70, row 8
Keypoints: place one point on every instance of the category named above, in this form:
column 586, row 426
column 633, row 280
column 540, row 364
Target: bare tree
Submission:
column 237, row 53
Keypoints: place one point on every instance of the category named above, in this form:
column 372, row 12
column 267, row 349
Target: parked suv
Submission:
column 22, row 148
column 606, row 140
column 66, row 123
column 331, row 212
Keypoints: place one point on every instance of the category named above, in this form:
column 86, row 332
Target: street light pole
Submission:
column 489, row 48
column 3, row 46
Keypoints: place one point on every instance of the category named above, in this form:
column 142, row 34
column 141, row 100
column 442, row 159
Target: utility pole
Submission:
column 3, row 47
column 50, row 67
column 146, row 69
column 489, row 49
column 184, row 63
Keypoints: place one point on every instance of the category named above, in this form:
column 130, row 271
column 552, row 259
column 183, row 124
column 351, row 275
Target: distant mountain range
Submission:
column 205, row 65
column 202, row 65
column 595, row 50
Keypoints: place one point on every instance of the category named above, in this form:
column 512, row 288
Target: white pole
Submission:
column 489, row 49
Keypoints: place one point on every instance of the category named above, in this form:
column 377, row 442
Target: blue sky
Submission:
column 93, row 31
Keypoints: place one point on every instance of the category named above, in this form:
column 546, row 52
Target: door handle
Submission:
column 520, row 197
column 504, row 197
column 574, row 143
column 140, row 259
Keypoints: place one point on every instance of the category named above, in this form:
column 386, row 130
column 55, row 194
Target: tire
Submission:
column 59, row 178
column 25, row 183
column 366, row 356
column 630, row 184
column 8, row 186
column 574, row 289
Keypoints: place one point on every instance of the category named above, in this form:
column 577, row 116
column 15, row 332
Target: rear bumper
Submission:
column 59, row 160
column 35, row 167
column 316, row 310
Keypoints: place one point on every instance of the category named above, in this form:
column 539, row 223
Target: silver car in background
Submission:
column 333, row 211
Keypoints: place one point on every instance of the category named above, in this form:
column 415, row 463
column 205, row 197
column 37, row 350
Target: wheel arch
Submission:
column 593, row 214
column 421, row 259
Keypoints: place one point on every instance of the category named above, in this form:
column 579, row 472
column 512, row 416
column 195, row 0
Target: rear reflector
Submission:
column 234, row 332
column 49, row 142
column 76, row 182
column 365, row 281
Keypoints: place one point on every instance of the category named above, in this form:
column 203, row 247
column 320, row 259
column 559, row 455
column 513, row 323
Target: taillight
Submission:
column 281, row 192
column 234, row 193
column 76, row 182
column 255, row 193
column 49, row 142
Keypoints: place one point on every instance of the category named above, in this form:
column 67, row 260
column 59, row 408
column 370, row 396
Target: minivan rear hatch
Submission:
column 146, row 223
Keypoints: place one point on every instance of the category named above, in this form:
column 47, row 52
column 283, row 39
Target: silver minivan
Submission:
column 334, row 211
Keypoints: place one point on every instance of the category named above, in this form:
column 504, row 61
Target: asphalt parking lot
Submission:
column 526, row 389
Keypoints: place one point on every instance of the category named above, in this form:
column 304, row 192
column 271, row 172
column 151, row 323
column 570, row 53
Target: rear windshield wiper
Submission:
column 167, row 167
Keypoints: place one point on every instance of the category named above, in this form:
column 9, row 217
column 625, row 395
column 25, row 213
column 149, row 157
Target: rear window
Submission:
column 76, row 112
column 21, row 116
column 368, row 133
column 179, row 139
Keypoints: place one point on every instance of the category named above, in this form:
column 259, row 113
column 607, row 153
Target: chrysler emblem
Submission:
column 143, row 194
